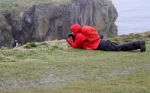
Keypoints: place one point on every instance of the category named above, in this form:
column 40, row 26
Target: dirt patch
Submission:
column 125, row 71
column 50, row 80
column 16, row 84
column 56, row 81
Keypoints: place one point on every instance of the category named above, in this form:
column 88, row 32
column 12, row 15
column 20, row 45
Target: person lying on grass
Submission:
column 87, row 37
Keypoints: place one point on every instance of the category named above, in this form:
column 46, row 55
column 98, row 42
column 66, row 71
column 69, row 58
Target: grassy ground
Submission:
column 53, row 67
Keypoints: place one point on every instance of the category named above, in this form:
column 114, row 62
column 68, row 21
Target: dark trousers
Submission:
column 107, row 45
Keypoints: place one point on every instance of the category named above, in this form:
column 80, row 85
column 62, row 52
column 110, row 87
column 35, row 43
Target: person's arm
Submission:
column 77, row 43
column 72, row 43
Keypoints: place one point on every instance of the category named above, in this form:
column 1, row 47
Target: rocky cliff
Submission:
column 52, row 21
column 6, row 37
column 45, row 22
column 98, row 13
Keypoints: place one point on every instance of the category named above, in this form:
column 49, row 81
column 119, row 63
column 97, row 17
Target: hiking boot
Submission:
column 143, row 47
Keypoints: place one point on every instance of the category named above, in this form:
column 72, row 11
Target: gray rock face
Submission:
column 5, row 33
column 50, row 21
column 100, row 14
column 45, row 22
column 5, row 39
column 13, row 21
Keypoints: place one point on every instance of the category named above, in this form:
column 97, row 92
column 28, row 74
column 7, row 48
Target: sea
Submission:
column 133, row 16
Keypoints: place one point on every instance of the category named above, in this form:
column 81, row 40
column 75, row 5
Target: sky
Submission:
column 134, row 16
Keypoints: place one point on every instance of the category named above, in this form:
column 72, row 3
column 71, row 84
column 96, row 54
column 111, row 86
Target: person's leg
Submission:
column 133, row 46
column 107, row 45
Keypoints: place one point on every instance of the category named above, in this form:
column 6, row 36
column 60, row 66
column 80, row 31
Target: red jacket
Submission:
column 86, row 37
column 78, row 42
column 92, row 36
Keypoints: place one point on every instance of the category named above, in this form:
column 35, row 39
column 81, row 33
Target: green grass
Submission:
column 53, row 67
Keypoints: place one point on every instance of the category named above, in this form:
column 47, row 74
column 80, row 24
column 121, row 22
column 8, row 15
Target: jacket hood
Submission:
column 76, row 28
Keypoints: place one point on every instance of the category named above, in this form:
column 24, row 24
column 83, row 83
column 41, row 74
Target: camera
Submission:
column 71, row 36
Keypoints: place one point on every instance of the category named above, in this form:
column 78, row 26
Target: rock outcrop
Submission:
column 5, row 33
column 10, row 28
column 98, row 13
column 5, row 38
column 45, row 22
column 52, row 21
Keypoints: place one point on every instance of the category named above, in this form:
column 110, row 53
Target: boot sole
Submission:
column 143, row 47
